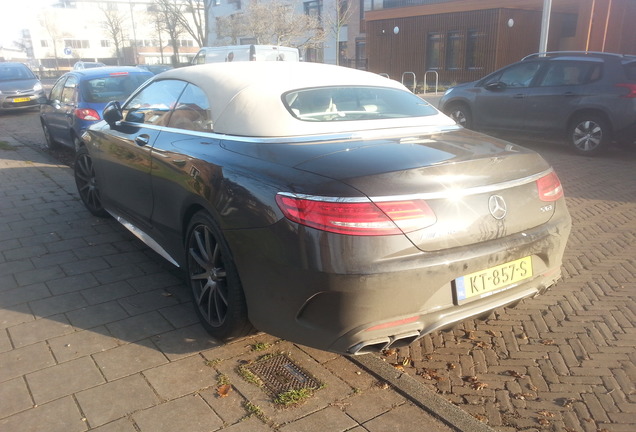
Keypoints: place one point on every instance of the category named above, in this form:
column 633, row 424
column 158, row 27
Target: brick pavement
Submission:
column 564, row 361
column 97, row 333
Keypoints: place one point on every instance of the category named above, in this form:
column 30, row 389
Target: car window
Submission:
column 12, row 72
column 354, row 103
column 115, row 86
column 519, row 75
column 69, row 92
column 564, row 73
column 192, row 111
column 56, row 91
column 154, row 102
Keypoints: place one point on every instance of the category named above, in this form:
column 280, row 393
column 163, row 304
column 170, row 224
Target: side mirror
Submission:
column 497, row 85
column 112, row 113
column 135, row 117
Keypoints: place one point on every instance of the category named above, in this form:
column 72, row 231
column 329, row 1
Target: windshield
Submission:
column 15, row 72
column 327, row 104
column 117, row 86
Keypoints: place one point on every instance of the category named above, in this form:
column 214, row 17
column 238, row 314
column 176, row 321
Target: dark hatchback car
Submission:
column 589, row 98
column 78, row 97
column 324, row 205
column 19, row 87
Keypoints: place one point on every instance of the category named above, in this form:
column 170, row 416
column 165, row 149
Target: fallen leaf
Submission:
column 491, row 333
column 479, row 385
column 470, row 378
column 469, row 334
column 407, row 361
column 398, row 366
column 544, row 422
column 548, row 342
column 515, row 374
column 451, row 365
column 389, row 352
column 533, row 387
column 223, row 390
column 546, row 413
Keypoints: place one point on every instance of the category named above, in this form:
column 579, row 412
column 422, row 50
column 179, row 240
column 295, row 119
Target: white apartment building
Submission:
column 72, row 30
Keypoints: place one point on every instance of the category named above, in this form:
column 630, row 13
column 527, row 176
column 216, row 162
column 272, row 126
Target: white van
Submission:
column 246, row 53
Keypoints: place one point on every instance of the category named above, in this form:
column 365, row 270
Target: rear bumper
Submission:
column 353, row 295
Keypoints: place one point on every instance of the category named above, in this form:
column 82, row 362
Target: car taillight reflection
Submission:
column 631, row 87
column 357, row 218
column 87, row 114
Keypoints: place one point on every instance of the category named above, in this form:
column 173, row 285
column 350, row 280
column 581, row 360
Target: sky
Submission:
column 14, row 15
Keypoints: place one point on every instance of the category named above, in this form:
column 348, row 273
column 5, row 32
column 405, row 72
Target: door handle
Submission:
column 142, row 140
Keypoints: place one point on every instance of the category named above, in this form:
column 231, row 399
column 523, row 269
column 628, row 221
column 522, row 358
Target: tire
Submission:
column 214, row 282
column 590, row 134
column 461, row 114
column 87, row 183
column 50, row 143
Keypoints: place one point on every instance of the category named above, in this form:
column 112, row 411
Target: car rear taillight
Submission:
column 631, row 89
column 550, row 188
column 87, row 114
column 357, row 217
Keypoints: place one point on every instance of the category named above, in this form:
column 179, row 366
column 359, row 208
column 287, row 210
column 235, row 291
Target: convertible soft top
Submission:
column 246, row 97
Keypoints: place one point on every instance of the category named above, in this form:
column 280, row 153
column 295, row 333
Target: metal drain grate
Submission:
column 279, row 374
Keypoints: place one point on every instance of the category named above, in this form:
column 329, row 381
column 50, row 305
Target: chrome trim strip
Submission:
column 145, row 238
column 393, row 132
column 426, row 195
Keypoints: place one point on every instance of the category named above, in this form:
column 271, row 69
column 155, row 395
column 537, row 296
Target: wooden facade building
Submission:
column 463, row 40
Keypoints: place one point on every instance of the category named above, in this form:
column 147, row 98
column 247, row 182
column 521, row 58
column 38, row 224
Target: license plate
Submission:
column 493, row 278
column 22, row 99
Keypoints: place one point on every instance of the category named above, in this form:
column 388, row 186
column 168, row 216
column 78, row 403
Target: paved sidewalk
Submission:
column 97, row 333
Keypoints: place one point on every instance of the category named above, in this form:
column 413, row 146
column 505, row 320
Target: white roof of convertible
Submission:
column 245, row 97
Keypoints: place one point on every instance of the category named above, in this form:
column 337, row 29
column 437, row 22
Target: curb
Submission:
column 420, row 395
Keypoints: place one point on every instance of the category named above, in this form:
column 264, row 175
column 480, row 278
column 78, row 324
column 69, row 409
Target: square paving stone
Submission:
column 181, row 377
column 189, row 413
column 40, row 330
column 329, row 419
column 82, row 343
column 128, row 359
column 21, row 361
column 140, row 327
column 63, row 379
column 92, row 316
column 61, row 415
column 116, row 399
column 57, row 304
column 15, row 397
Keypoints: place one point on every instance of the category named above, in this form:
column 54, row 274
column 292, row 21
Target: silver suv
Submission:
column 588, row 97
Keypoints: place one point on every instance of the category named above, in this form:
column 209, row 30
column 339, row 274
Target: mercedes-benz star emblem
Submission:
column 497, row 207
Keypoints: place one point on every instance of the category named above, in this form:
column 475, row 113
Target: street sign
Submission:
column 67, row 51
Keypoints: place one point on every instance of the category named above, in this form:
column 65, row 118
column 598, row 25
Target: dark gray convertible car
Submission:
column 324, row 205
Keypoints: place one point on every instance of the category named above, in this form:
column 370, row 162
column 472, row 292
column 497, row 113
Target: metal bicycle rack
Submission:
column 426, row 80
column 414, row 79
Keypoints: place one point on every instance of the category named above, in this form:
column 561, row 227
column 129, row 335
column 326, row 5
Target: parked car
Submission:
column 77, row 99
column 324, row 205
column 154, row 68
column 232, row 53
column 590, row 98
column 81, row 65
column 19, row 87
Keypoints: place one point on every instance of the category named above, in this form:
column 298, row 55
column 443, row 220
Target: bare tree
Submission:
column 113, row 24
column 168, row 12
column 337, row 19
column 198, row 25
column 49, row 23
column 273, row 22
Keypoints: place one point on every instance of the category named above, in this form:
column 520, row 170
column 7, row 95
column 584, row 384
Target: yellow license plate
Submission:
column 22, row 99
column 493, row 278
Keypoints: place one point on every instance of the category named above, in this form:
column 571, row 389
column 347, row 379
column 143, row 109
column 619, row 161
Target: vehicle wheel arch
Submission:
column 588, row 112
column 464, row 106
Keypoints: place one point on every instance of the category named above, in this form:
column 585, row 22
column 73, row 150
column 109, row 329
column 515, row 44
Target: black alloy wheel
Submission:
column 590, row 134
column 87, row 183
column 461, row 114
column 216, row 289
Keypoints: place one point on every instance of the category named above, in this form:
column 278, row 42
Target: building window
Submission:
column 76, row 43
column 186, row 43
column 474, row 50
column 44, row 43
column 314, row 8
column 433, row 50
column 361, row 55
column 453, row 46
column 105, row 43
